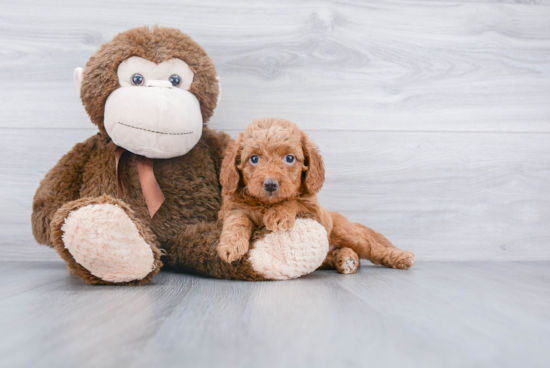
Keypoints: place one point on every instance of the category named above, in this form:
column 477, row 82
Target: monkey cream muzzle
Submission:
column 158, row 83
column 155, row 121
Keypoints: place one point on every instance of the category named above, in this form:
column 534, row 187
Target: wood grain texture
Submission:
column 494, row 314
column 344, row 65
column 433, row 116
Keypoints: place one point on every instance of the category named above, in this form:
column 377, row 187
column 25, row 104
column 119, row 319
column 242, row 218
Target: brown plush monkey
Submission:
column 145, row 191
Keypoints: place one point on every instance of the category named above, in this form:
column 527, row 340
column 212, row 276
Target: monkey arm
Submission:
column 61, row 185
column 195, row 250
column 272, row 256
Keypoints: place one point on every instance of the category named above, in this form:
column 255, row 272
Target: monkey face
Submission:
column 151, row 90
column 153, row 114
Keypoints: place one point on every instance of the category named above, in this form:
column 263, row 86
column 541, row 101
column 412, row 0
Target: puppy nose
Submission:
column 271, row 185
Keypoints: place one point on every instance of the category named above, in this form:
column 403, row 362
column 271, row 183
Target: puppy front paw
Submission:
column 234, row 250
column 276, row 221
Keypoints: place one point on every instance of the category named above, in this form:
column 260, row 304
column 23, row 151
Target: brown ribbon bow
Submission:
column 149, row 185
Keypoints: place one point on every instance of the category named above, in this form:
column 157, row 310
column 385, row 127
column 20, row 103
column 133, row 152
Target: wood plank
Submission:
column 18, row 244
column 446, row 196
column 68, row 322
column 18, row 278
column 491, row 314
column 379, row 65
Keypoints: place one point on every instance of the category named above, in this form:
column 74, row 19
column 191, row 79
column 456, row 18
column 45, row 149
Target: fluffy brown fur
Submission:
column 184, row 228
column 247, row 203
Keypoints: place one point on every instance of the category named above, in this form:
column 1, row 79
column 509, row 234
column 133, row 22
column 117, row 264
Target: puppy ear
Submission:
column 229, row 174
column 315, row 173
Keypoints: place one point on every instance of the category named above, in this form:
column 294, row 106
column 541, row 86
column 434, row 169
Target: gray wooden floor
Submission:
column 449, row 314
column 433, row 117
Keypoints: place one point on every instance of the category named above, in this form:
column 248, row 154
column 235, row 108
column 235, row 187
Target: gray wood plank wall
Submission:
column 433, row 116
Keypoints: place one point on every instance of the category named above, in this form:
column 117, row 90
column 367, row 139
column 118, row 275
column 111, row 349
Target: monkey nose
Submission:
column 271, row 185
column 158, row 83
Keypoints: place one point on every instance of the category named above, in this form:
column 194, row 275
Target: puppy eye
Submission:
column 137, row 79
column 290, row 159
column 175, row 80
column 254, row 160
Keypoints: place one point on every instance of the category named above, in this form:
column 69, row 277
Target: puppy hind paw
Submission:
column 347, row 262
column 405, row 261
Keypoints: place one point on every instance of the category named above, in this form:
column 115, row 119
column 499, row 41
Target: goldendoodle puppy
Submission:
column 270, row 175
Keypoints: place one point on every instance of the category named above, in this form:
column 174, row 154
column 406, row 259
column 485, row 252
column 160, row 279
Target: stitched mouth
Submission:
column 153, row 131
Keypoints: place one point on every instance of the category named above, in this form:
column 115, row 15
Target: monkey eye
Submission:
column 175, row 80
column 254, row 160
column 137, row 79
column 290, row 159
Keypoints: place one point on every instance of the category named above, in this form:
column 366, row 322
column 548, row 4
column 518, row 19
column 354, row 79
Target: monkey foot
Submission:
column 104, row 240
column 283, row 255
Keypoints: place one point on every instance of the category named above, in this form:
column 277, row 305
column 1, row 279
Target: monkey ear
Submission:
column 315, row 173
column 229, row 174
column 219, row 90
column 77, row 75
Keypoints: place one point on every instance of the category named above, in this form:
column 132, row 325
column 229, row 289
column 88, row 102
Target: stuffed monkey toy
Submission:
column 144, row 191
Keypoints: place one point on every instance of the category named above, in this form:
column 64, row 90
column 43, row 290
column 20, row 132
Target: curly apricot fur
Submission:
column 244, row 196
